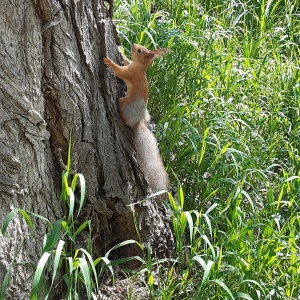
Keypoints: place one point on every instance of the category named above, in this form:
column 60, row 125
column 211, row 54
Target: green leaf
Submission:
column 65, row 187
column 82, row 226
column 205, row 238
column 203, row 148
column 74, row 182
column 69, row 157
column 52, row 237
column 12, row 214
column 38, row 275
column 108, row 264
column 242, row 296
column 172, row 202
column 207, row 219
column 91, row 264
column 128, row 242
column 8, row 219
column 211, row 208
column 5, row 281
column 27, row 219
column 200, row 260
column 83, row 265
column 39, row 217
column 69, row 277
column 207, row 272
column 180, row 197
column 126, row 259
column 224, row 286
column 57, row 259
column 71, row 205
column 191, row 225
column 254, row 282
column 82, row 192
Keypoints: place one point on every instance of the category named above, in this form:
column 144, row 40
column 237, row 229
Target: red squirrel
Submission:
column 133, row 112
column 133, row 107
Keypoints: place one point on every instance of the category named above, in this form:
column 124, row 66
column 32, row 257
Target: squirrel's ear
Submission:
column 160, row 52
column 149, row 55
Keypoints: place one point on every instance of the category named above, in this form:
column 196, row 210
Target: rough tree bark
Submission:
column 53, row 85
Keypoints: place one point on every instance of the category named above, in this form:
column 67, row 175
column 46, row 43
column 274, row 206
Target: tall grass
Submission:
column 227, row 101
column 234, row 70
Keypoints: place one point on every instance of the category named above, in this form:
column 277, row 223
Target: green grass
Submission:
column 227, row 104
column 227, row 101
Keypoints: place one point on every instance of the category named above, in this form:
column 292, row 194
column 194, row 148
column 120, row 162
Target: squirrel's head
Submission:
column 144, row 56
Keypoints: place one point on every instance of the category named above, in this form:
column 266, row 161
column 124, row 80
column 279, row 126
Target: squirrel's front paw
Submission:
column 107, row 61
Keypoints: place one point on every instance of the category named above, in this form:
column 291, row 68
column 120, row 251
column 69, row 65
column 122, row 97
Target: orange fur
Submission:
column 134, row 74
column 133, row 112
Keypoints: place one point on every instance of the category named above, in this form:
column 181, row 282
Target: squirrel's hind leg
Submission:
column 147, row 116
column 133, row 112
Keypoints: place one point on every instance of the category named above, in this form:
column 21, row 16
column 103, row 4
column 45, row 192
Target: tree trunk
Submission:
column 53, row 87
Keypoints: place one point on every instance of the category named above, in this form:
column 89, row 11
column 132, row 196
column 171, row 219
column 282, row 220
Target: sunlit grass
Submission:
column 227, row 101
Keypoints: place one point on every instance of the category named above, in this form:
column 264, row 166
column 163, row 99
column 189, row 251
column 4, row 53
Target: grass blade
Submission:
column 38, row 275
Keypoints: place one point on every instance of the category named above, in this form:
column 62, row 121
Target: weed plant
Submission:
column 227, row 102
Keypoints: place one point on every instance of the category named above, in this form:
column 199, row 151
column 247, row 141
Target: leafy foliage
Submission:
column 64, row 268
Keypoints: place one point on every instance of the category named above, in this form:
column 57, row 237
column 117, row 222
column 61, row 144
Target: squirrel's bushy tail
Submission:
column 149, row 158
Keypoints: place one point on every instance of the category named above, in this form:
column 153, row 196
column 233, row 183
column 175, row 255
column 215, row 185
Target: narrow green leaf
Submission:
column 74, row 181
column 91, row 264
column 224, row 286
column 127, row 242
column 52, row 237
column 27, row 219
column 38, row 275
column 82, row 226
column 39, row 217
column 65, row 187
column 71, row 205
column 57, row 258
column 205, row 238
column 70, row 276
column 108, row 264
column 200, row 260
column 126, row 259
column 242, row 296
column 254, row 282
column 203, row 148
column 249, row 199
column 5, row 281
column 69, row 157
column 83, row 265
column 292, row 178
column 82, row 192
column 172, row 202
column 205, row 277
column 180, row 197
column 8, row 219
column 211, row 208
column 207, row 219
column 191, row 225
